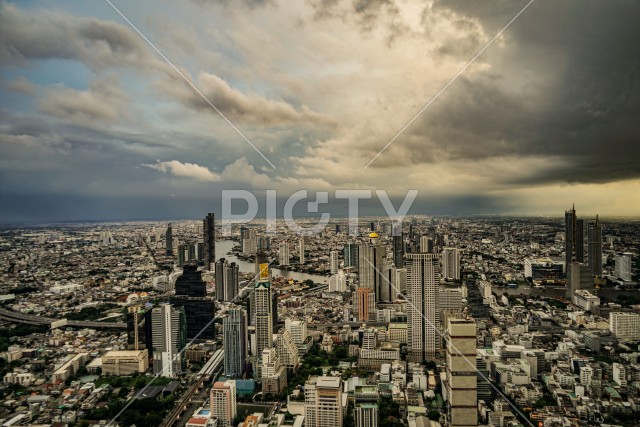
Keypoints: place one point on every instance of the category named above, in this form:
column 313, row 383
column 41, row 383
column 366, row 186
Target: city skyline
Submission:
column 97, row 125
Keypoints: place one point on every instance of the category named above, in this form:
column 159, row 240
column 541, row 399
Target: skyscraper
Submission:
column 301, row 249
column 223, row 402
column 423, row 281
column 209, row 236
column 227, row 280
column 169, row 241
column 398, row 246
column 451, row 264
column 287, row 350
column 323, row 402
column 333, row 255
column 365, row 414
column 191, row 294
column 234, row 327
column 169, row 337
column 139, row 330
column 461, row 385
column 594, row 242
column 371, row 265
column 351, row 255
column 283, row 253
column 579, row 243
column 569, row 239
column 364, row 304
column 264, row 315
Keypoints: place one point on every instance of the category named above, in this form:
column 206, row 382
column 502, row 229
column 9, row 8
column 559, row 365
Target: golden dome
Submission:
column 374, row 235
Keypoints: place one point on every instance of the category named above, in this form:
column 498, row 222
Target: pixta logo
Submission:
column 353, row 198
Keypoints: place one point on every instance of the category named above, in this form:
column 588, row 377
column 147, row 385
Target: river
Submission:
column 224, row 246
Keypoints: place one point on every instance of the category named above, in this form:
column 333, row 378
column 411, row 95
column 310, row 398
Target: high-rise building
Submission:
column 283, row 253
column 287, row 350
column 594, row 243
column 451, row 264
column 191, row 294
column 223, row 402
column 323, row 402
column 365, row 414
column 333, row 257
column 209, row 235
column 579, row 243
column 580, row 277
column 371, row 266
column 461, row 384
column 263, row 302
column 423, row 282
column 169, row 337
column 569, row 239
column 351, row 255
column 426, row 244
column 364, row 304
column 169, row 241
column 139, row 330
column 297, row 329
column 398, row 245
column 234, row 327
column 227, row 280
column 622, row 268
column 301, row 249
column 190, row 282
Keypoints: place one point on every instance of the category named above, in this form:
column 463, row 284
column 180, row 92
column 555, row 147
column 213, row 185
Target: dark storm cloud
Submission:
column 566, row 86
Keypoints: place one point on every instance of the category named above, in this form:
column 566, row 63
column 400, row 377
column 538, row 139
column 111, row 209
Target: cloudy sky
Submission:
column 96, row 124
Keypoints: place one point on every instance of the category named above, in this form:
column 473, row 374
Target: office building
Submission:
column 333, row 262
column 625, row 326
column 350, row 255
column 365, row 414
column 423, row 282
column 580, row 278
column 227, row 280
column 191, row 294
column 169, row 338
column 169, row 241
column 579, row 241
column 594, row 243
column 209, row 240
column 364, row 304
column 283, row 253
column 543, row 269
column 234, row 327
column 622, row 269
column 139, row 330
column 297, row 329
column 323, row 402
column 461, row 383
column 125, row 362
column 371, row 265
column 223, row 402
column 451, row 264
column 398, row 245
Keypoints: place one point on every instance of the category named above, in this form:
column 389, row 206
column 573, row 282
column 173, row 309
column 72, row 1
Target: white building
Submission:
column 619, row 373
column 451, row 264
column 334, row 262
column 625, row 326
column 585, row 299
column 323, row 402
column 623, row 266
column 423, row 283
column 283, row 253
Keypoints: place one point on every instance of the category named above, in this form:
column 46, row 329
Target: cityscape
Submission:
column 319, row 213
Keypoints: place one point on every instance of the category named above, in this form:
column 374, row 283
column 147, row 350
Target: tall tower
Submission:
column 398, row 246
column 462, row 384
column 423, row 282
column 569, row 239
column 191, row 294
column 227, row 280
column 371, row 265
column 579, row 237
column 209, row 236
column 264, row 315
column 451, row 264
column 169, row 241
column 283, row 253
column 234, row 327
column 301, row 249
column 169, row 337
column 351, row 255
column 594, row 242
column 333, row 255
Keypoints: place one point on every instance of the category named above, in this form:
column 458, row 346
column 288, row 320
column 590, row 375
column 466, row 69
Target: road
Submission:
column 29, row 319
